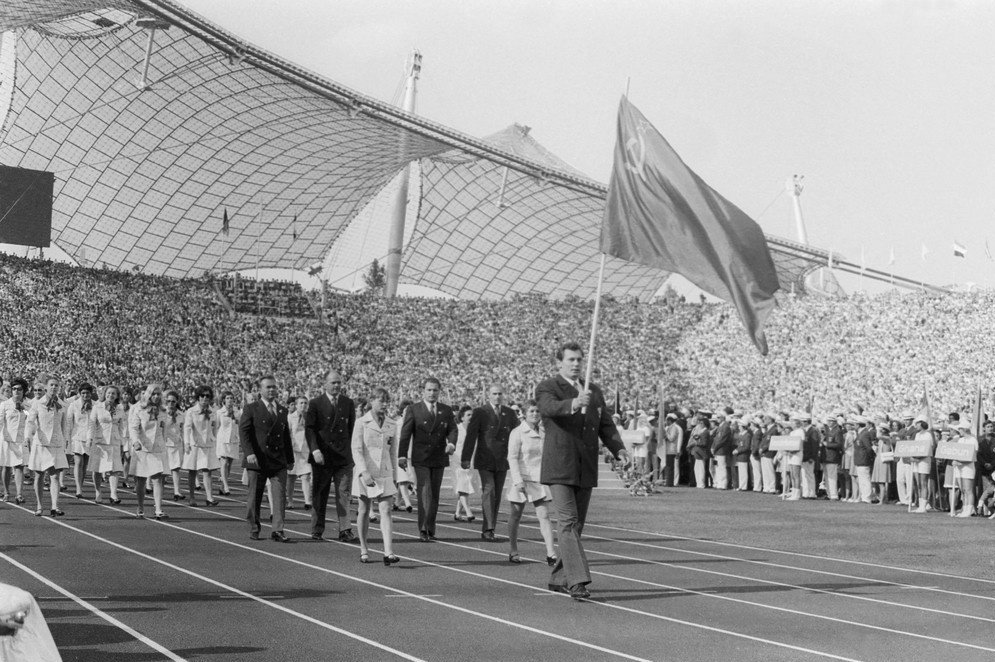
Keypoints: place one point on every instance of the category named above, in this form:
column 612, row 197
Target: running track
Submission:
column 686, row 575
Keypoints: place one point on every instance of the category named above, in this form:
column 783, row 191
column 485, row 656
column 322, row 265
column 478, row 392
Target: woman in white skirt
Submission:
column 200, row 444
column 301, row 468
column 106, row 437
column 148, row 445
column 963, row 475
column 78, row 419
column 227, row 446
column 174, row 441
column 374, row 450
column 46, row 432
column 524, row 464
column 13, row 439
column 465, row 481
column 405, row 477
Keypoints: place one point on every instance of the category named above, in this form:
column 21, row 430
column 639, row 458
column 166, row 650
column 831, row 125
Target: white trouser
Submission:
column 769, row 475
column 831, row 474
column 743, row 470
column 699, row 472
column 721, row 472
column 864, row 483
column 758, row 482
column 905, row 477
column 808, row 480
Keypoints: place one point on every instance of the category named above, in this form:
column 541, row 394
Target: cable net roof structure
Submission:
column 149, row 153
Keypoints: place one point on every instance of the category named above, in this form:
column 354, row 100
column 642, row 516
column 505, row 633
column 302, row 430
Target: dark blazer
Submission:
column 722, row 441
column 810, row 447
column 428, row 437
column 570, row 450
column 833, row 445
column 863, row 448
column 492, row 429
column 266, row 437
column 328, row 429
column 743, row 439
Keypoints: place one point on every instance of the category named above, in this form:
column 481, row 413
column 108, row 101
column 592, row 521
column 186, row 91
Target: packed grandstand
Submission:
column 839, row 354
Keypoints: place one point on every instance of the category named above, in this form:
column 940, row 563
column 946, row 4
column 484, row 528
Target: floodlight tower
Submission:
column 392, row 270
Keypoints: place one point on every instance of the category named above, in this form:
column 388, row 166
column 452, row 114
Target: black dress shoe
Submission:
column 254, row 536
column 558, row 588
column 279, row 536
column 423, row 536
column 579, row 592
column 316, row 536
column 488, row 535
column 178, row 497
column 431, row 537
column 348, row 536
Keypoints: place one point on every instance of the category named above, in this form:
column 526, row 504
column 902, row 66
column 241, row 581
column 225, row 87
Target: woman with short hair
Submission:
column 227, row 448
column 199, row 441
column 524, row 465
column 174, row 441
column 301, row 468
column 13, row 439
column 374, row 450
column 464, row 480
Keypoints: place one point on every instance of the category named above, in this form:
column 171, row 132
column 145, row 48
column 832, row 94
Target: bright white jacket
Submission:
column 524, row 454
column 47, row 424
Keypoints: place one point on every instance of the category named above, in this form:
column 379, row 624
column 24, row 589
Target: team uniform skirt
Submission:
column 882, row 472
column 174, row 456
column 145, row 464
column 12, row 454
column 963, row 471
column 201, row 458
column 301, row 466
column 228, row 449
column 533, row 492
column 43, row 458
column 81, row 448
column 466, row 481
column 105, row 459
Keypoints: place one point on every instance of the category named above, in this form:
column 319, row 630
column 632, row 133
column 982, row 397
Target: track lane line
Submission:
column 226, row 587
column 159, row 648
column 600, row 649
column 530, row 587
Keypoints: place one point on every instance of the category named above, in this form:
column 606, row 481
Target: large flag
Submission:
column 959, row 251
column 661, row 214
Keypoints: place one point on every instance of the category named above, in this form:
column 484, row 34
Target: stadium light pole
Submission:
column 396, row 242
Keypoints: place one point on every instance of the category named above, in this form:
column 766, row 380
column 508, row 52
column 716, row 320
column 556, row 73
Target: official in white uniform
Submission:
column 148, row 444
column 227, row 447
column 200, row 444
column 78, row 418
column 13, row 439
column 107, row 436
column 46, row 429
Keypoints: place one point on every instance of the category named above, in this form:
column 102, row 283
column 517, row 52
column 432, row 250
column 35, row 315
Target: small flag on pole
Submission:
column 977, row 415
column 224, row 223
column 294, row 226
column 661, row 214
column 959, row 251
column 925, row 252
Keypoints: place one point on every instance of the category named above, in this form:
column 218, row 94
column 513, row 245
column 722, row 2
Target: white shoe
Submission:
column 964, row 513
column 920, row 509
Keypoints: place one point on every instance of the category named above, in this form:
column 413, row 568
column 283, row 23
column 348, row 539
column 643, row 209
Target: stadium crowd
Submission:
column 837, row 357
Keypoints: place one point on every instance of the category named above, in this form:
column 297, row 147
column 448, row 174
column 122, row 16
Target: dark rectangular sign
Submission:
column 26, row 207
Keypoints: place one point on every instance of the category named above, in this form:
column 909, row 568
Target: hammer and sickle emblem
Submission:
column 635, row 155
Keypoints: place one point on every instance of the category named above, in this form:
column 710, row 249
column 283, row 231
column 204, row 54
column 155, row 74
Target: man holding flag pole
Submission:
column 658, row 213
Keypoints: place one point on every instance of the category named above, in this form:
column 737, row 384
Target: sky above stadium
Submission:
column 884, row 107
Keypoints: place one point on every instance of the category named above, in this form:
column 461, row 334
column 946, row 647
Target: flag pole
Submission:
column 594, row 331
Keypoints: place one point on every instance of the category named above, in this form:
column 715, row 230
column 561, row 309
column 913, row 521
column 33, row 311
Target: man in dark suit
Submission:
column 430, row 428
column 490, row 425
column 575, row 417
column 264, row 435
column 328, row 426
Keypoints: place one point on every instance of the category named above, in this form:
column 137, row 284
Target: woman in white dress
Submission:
column 149, row 460
column 200, row 444
column 227, row 445
column 406, row 478
column 174, row 441
column 78, row 419
column 374, row 450
column 301, row 468
column 46, row 432
column 524, row 465
column 106, row 438
column 13, row 440
column 465, row 481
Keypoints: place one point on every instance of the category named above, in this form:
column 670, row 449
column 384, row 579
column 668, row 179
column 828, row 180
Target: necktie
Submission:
column 272, row 409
